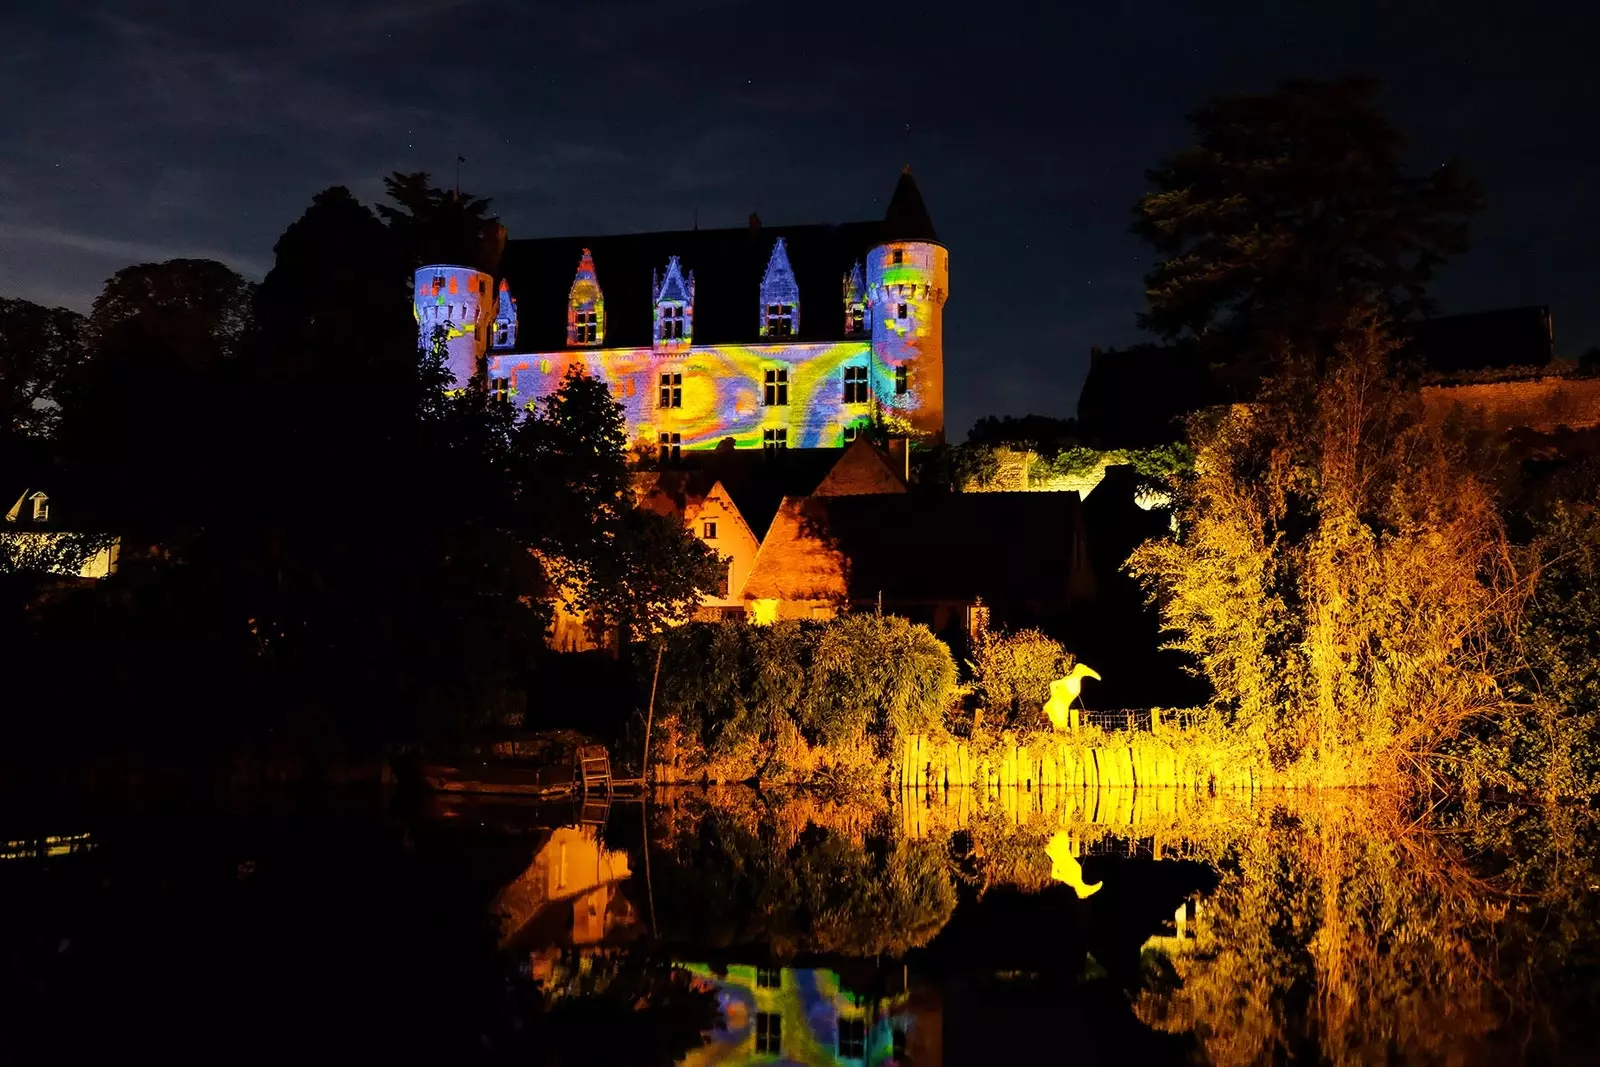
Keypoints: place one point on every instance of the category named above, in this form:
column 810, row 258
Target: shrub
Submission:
column 1011, row 674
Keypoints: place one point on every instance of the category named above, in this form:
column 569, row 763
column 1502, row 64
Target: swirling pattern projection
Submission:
column 719, row 391
column 798, row 1015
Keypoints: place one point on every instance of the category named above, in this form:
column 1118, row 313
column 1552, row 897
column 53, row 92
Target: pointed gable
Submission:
column 779, row 290
column 862, row 470
column 673, row 289
column 505, row 318
column 586, row 305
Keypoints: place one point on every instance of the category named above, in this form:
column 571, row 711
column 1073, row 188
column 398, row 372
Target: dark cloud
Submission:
column 144, row 130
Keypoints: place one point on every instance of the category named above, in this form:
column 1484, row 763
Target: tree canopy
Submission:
column 1291, row 209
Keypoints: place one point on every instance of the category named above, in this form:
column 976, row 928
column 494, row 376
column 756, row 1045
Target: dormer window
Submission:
column 780, row 295
column 41, row 508
column 586, row 306
column 780, row 320
column 855, row 385
column 674, row 297
column 671, row 322
column 855, row 301
column 585, row 327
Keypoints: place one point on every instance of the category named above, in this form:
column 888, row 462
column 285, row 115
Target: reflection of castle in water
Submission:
column 805, row 1015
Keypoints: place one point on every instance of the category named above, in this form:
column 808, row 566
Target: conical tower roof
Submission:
column 907, row 218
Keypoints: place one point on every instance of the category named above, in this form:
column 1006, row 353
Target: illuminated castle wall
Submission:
column 791, row 337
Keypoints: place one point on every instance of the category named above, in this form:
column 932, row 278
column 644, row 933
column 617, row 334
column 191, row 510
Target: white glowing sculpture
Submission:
column 1063, row 691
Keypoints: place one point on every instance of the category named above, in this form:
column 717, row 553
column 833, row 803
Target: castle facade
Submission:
column 782, row 337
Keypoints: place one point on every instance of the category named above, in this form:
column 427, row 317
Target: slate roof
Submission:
column 1011, row 549
column 1510, row 337
column 728, row 266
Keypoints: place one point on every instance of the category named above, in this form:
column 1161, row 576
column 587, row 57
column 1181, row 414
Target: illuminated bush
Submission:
column 1011, row 675
column 730, row 684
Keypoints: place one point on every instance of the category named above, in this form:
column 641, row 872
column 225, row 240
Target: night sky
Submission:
column 141, row 131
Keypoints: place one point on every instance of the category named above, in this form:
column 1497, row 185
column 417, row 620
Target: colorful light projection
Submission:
column 586, row 306
column 780, row 295
column 674, row 299
column 799, row 1015
column 908, row 282
column 722, row 389
column 504, row 334
column 857, row 308
column 454, row 299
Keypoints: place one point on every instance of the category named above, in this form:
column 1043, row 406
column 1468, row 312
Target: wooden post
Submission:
column 650, row 715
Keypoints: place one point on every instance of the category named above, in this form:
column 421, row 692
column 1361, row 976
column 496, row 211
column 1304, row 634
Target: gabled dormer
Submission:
column 780, row 296
column 857, row 308
column 504, row 334
column 586, row 306
column 674, row 299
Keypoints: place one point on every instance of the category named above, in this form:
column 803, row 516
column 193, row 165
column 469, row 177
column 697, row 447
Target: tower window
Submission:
column 500, row 390
column 855, row 385
column 769, row 978
column 585, row 327
column 857, row 319
column 901, row 380
column 671, row 393
column 901, row 313
column 852, row 1039
column 777, row 387
column 773, row 440
column 899, row 256
column 672, row 446
column 780, row 320
column 671, row 322
column 769, row 1033
column 708, row 531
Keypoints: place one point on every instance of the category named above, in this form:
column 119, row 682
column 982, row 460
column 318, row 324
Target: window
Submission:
column 41, row 508
column 856, row 318
column 500, row 390
column 850, row 434
column 585, row 327
column 769, row 978
column 901, row 380
column 709, row 531
column 780, row 320
column 852, row 1039
column 502, row 334
column 671, row 322
column 902, row 312
column 899, row 256
column 671, row 446
column 777, row 392
column 855, row 385
column 671, row 395
column 544, row 366
column 769, row 1032
column 772, row 440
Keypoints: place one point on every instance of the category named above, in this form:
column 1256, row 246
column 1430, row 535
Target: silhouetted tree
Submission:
column 437, row 225
column 1290, row 210
column 40, row 348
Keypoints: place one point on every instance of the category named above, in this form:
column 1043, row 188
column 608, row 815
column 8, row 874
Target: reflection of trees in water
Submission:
column 843, row 885
column 1340, row 932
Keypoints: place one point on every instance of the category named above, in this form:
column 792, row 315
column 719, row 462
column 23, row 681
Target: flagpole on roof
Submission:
column 459, row 160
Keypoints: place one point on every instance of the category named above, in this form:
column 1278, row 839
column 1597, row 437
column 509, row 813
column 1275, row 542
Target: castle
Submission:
column 780, row 337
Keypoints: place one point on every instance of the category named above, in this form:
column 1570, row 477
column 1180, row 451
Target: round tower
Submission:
column 461, row 302
column 908, row 278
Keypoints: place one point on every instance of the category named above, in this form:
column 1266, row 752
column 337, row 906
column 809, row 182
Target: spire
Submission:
column 907, row 218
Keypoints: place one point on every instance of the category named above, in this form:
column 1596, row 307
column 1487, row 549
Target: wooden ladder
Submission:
column 594, row 769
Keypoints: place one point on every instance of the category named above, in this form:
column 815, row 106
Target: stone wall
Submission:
column 1544, row 405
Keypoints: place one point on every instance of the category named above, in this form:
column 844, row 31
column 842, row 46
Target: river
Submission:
column 734, row 927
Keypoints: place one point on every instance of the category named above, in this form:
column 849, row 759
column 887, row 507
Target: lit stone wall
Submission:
column 462, row 301
column 1544, row 405
column 723, row 389
column 920, row 281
